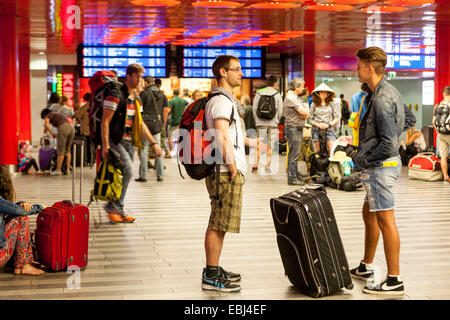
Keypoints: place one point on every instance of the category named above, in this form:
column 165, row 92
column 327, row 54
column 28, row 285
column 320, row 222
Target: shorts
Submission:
column 379, row 183
column 64, row 139
column 444, row 143
column 225, row 211
column 331, row 136
column 270, row 135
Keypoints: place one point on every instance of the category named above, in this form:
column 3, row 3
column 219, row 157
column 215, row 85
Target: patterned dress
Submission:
column 18, row 244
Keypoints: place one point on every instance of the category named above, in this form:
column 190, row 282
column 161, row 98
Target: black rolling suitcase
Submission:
column 310, row 245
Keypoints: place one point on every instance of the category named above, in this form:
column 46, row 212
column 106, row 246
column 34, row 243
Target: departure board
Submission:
column 154, row 59
column 411, row 61
column 196, row 62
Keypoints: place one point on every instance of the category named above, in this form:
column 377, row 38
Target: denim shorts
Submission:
column 331, row 136
column 379, row 183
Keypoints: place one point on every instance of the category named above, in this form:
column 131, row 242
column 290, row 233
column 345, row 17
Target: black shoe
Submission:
column 390, row 286
column 233, row 277
column 361, row 272
column 219, row 283
column 159, row 179
column 140, row 180
column 296, row 183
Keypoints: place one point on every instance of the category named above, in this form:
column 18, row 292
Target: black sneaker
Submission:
column 361, row 272
column 390, row 286
column 233, row 277
column 219, row 283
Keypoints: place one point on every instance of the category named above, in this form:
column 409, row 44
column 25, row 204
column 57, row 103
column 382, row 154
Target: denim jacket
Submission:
column 9, row 208
column 381, row 126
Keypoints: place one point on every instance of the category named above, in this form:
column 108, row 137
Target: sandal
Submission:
column 21, row 273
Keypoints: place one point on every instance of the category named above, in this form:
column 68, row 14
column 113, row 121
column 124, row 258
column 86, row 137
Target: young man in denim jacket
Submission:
column 378, row 157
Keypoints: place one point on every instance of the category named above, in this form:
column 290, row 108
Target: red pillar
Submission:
column 8, row 84
column 309, row 62
column 309, row 51
column 442, row 74
column 25, row 96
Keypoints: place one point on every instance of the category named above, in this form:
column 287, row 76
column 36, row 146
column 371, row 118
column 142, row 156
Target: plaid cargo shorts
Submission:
column 226, row 211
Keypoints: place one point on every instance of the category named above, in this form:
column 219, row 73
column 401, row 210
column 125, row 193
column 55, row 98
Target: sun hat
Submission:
column 340, row 156
column 323, row 87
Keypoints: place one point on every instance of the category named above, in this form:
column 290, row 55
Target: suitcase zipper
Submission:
column 317, row 246
column 338, row 269
column 298, row 256
column 316, row 282
column 329, row 239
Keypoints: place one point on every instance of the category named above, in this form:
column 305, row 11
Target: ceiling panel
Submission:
column 335, row 33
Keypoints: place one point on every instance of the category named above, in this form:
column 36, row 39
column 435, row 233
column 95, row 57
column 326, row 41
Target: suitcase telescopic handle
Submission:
column 80, row 143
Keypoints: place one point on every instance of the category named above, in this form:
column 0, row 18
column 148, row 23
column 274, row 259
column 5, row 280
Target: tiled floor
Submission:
column 161, row 255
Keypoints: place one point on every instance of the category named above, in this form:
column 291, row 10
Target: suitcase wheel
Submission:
column 349, row 287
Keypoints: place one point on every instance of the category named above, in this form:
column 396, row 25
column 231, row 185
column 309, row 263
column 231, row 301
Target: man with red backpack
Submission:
column 122, row 129
column 222, row 119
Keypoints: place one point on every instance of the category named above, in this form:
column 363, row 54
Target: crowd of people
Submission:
column 382, row 121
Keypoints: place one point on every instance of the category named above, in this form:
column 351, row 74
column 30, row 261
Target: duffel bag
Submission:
column 425, row 166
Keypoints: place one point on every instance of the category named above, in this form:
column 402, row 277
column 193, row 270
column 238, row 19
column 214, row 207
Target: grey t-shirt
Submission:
column 292, row 103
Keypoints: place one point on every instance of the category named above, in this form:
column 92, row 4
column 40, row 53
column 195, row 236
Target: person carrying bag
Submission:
column 354, row 123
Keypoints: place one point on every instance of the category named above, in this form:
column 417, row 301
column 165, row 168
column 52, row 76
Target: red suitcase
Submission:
column 62, row 232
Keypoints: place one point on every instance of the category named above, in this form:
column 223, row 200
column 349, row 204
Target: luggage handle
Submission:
column 75, row 143
column 68, row 202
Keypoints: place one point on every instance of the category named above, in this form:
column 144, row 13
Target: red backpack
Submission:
column 194, row 152
column 100, row 83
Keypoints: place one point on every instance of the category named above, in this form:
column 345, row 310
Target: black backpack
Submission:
column 442, row 122
column 267, row 108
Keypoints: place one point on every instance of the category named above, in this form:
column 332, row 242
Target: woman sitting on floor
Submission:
column 15, row 242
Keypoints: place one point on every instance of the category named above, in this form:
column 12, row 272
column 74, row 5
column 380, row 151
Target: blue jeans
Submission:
column 126, row 152
column 294, row 136
column 143, row 156
column 379, row 183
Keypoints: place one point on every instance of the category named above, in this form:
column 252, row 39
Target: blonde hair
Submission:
column 246, row 99
column 196, row 92
column 6, row 185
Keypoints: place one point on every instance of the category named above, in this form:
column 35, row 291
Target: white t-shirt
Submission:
column 220, row 107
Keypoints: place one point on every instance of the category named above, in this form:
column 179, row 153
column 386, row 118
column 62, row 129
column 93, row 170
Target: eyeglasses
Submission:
column 234, row 69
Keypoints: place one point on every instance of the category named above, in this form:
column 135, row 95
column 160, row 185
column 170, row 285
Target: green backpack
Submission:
column 108, row 182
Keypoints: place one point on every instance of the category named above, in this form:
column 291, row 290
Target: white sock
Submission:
column 399, row 277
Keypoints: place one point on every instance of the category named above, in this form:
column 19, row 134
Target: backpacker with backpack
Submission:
column 442, row 121
column 267, row 108
column 100, row 83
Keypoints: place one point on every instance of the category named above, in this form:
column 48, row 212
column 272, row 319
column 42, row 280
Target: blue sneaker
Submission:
column 219, row 283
